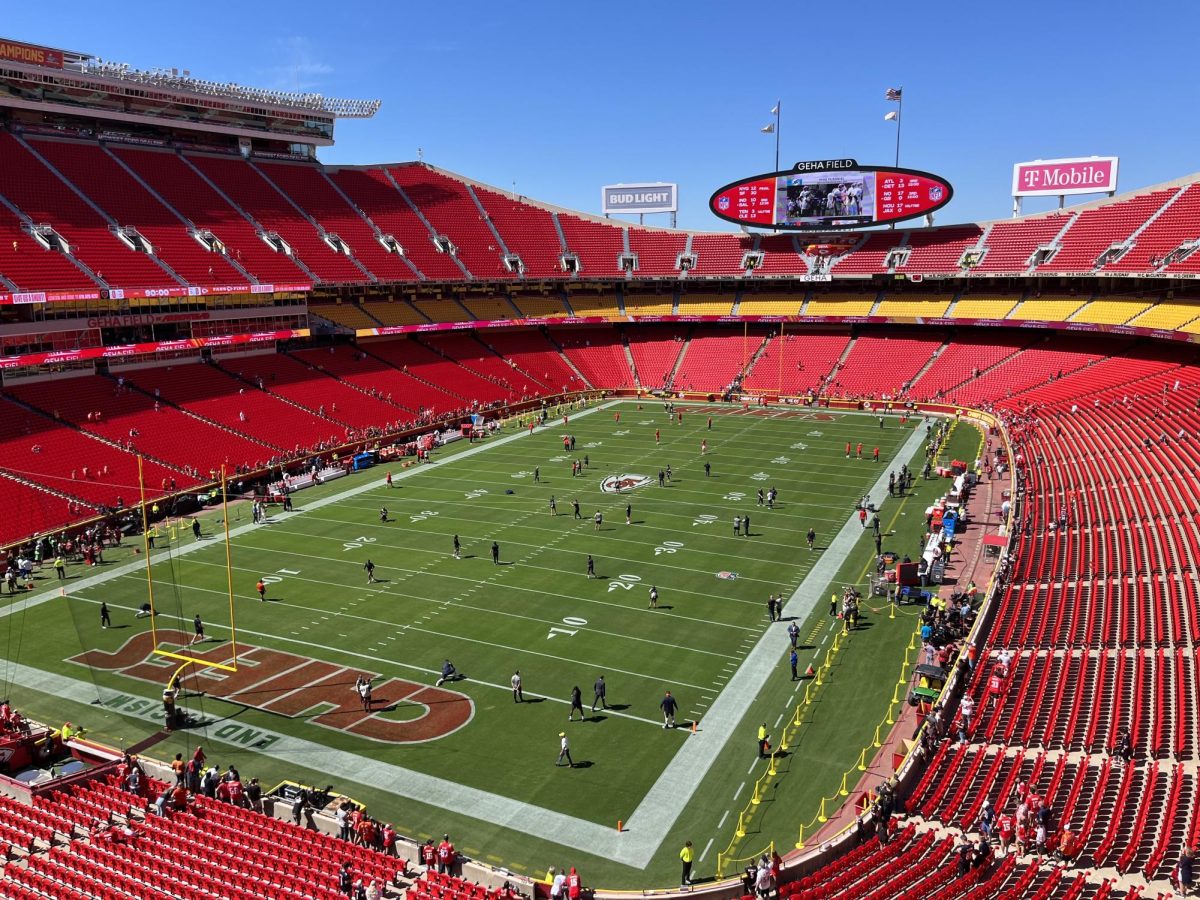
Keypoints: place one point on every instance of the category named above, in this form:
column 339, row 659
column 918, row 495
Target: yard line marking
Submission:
column 558, row 597
column 661, row 806
column 710, row 840
column 394, row 663
column 655, row 815
column 442, row 606
column 780, row 719
column 719, row 824
column 750, row 770
column 738, row 792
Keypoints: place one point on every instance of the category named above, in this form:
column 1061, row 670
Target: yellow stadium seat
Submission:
column 489, row 308
column 984, row 306
column 770, row 306
column 1170, row 314
column 1110, row 312
column 927, row 308
column 650, row 304
column 345, row 314
column 396, row 312
column 1048, row 309
column 442, row 310
column 833, row 305
column 540, row 307
column 705, row 304
column 594, row 305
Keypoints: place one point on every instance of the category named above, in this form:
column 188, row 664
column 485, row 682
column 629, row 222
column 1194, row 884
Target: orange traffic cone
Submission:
column 810, row 671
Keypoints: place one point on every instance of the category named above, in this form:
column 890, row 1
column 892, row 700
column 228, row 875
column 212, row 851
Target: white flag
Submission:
column 775, row 110
column 768, row 129
column 891, row 117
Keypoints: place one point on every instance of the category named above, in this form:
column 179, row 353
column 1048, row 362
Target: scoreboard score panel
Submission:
column 814, row 198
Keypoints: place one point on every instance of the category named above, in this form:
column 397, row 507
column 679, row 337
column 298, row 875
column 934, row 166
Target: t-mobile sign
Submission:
column 1054, row 177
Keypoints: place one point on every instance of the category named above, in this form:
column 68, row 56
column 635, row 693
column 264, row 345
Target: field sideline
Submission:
column 708, row 642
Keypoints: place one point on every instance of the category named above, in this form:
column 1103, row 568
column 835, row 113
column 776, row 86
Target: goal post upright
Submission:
column 228, row 562
column 182, row 656
column 146, row 550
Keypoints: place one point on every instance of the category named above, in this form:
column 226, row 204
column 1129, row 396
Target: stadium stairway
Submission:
column 125, row 199
column 305, row 382
column 238, row 376
column 45, row 195
column 712, row 363
column 468, row 351
column 185, row 189
column 326, row 208
column 796, row 362
column 171, row 380
column 441, row 376
column 351, row 374
column 670, row 379
column 534, row 352
column 957, row 364
column 60, row 452
column 562, row 353
column 274, row 212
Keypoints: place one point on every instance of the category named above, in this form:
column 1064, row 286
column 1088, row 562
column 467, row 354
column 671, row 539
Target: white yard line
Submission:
column 662, row 804
column 670, row 794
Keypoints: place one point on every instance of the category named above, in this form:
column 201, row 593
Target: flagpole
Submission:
column 778, row 113
column 899, row 119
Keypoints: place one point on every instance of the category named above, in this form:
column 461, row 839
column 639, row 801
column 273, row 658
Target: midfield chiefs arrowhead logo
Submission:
column 615, row 484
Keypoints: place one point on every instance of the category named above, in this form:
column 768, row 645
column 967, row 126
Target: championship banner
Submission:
column 31, row 54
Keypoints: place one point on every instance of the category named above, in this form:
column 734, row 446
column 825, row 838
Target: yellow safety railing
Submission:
column 734, row 864
column 787, row 737
column 829, row 805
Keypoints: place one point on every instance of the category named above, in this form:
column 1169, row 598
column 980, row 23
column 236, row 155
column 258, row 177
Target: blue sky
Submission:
column 563, row 98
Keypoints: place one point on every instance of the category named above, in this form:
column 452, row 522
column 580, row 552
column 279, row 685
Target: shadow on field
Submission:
column 583, row 764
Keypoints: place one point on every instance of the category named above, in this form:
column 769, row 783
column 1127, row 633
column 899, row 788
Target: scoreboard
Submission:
column 826, row 195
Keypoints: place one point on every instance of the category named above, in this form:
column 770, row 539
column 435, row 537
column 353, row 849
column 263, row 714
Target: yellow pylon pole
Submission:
column 740, row 831
column 844, row 790
column 821, row 817
column 807, row 700
column 800, row 839
column 771, row 766
column 755, row 799
column 862, row 760
column 876, row 742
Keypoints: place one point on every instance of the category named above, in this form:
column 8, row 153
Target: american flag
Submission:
column 893, row 94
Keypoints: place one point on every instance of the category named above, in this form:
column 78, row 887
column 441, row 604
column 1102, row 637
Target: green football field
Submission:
column 466, row 758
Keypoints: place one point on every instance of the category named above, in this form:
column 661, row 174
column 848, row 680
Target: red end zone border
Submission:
column 298, row 687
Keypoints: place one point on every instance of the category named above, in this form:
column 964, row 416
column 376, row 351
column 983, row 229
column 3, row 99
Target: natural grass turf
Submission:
column 491, row 620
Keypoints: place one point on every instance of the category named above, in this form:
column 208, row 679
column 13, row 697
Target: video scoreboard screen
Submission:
column 831, row 194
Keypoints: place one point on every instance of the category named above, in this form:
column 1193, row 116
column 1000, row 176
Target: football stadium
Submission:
column 328, row 487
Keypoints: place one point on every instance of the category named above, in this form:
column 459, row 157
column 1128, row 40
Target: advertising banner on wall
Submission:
column 1059, row 177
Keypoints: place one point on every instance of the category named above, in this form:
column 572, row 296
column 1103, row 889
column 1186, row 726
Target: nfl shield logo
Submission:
column 722, row 203
column 935, row 194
